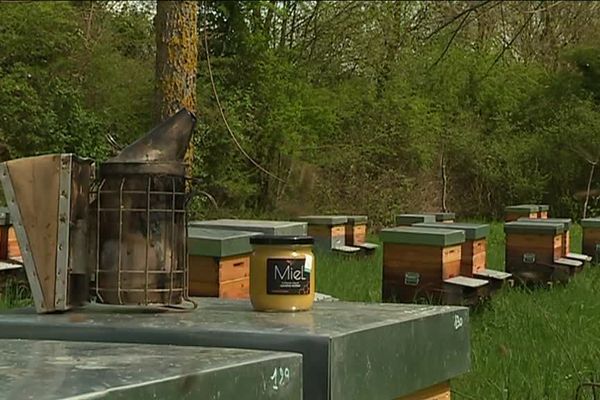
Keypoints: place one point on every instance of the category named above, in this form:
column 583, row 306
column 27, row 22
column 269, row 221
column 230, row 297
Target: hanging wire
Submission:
column 214, row 89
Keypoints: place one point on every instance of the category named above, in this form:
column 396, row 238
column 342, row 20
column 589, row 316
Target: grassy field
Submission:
column 525, row 345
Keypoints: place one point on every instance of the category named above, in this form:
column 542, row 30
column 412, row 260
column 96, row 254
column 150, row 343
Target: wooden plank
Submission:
column 437, row 392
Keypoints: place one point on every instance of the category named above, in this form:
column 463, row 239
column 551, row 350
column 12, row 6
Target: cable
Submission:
column 214, row 88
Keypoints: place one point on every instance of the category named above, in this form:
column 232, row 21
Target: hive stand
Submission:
column 410, row 219
column 591, row 238
column 566, row 240
column 329, row 232
column 425, row 263
column 277, row 228
column 513, row 213
column 534, row 252
column 356, row 233
column 219, row 262
column 445, row 217
column 350, row 350
column 543, row 210
column 473, row 252
column 46, row 370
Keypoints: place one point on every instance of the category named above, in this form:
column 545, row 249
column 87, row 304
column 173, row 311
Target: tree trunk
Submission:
column 176, row 59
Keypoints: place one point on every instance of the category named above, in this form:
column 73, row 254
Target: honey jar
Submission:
column 282, row 273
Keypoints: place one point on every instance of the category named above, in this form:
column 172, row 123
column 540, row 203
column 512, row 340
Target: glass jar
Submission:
column 282, row 273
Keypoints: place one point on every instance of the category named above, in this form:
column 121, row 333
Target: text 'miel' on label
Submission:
column 288, row 276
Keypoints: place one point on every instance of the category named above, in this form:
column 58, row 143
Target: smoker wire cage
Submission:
column 140, row 219
column 140, row 238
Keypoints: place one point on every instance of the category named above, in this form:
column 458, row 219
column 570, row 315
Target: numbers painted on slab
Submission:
column 280, row 377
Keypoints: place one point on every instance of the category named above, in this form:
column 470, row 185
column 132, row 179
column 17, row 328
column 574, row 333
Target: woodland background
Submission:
column 360, row 107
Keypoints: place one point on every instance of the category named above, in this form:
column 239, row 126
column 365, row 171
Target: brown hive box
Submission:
column 219, row 262
column 591, row 237
column 543, row 211
column 9, row 246
column 534, row 252
column 421, row 262
column 329, row 232
column 356, row 233
column 513, row 213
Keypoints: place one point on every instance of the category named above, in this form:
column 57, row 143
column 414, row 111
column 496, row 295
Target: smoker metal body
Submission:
column 350, row 350
column 46, row 370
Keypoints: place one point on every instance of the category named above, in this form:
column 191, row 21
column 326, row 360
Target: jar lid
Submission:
column 285, row 240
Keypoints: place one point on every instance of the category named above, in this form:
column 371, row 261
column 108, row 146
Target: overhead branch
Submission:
column 462, row 23
column 460, row 14
column 512, row 41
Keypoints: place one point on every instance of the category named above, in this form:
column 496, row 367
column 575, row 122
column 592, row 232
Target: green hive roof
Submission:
column 534, row 228
column 218, row 243
column 590, row 222
column 409, row 219
column 323, row 219
column 422, row 236
column 279, row 228
column 565, row 221
column 472, row 231
column 357, row 219
column 523, row 208
column 444, row 216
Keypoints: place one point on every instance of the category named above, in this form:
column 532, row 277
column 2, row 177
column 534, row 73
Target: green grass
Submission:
column 525, row 345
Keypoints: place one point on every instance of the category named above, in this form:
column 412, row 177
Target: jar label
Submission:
column 288, row 276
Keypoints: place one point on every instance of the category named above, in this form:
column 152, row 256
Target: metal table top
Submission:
column 46, row 370
column 351, row 350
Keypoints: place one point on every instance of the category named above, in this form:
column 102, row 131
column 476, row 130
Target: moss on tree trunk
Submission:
column 176, row 58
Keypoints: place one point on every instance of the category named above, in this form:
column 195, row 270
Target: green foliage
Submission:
column 355, row 105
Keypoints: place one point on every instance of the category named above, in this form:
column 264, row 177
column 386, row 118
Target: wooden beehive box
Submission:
column 533, row 241
column 473, row 250
column 591, row 237
column 356, row 229
column 445, row 217
column 9, row 246
column 417, row 260
column 543, row 211
column 411, row 219
column 219, row 263
column 513, row 213
column 329, row 232
column 566, row 222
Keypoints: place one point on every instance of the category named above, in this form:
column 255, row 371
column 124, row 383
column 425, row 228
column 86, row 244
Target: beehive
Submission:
column 219, row 262
column 425, row 263
column 543, row 211
column 410, row 219
column 591, row 237
column 473, row 250
column 356, row 233
column 513, row 213
column 329, row 232
column 356, row 229
column 534, row 252
column 446, row 217
column 566, row 222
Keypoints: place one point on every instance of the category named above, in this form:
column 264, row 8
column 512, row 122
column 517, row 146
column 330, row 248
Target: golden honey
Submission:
column 282, row 273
